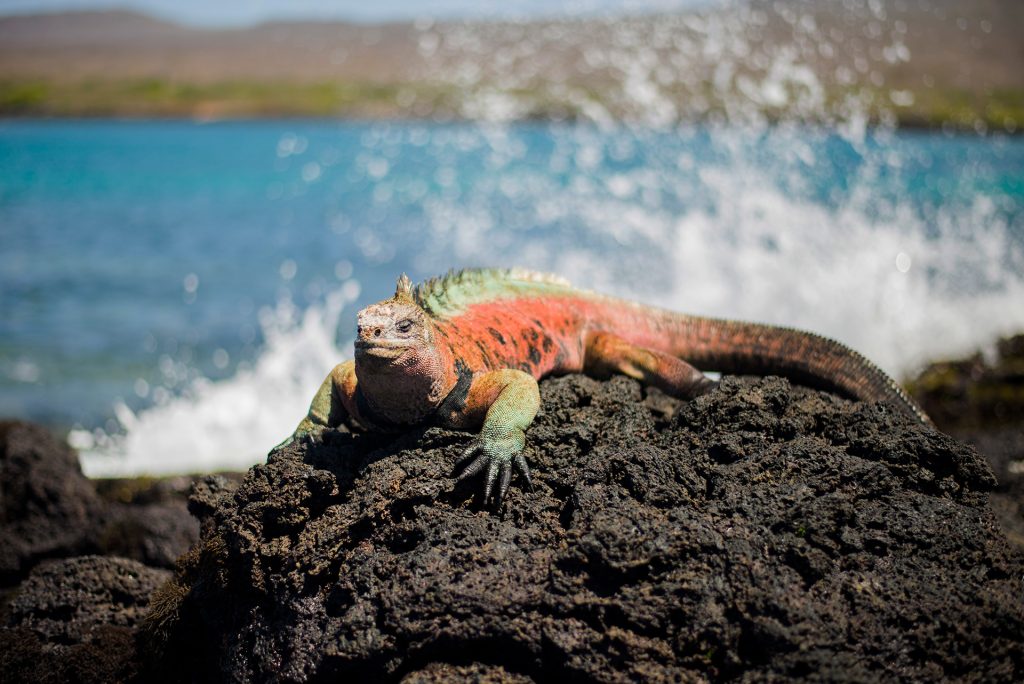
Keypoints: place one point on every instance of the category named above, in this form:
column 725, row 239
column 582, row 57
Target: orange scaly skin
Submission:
column 466, row 351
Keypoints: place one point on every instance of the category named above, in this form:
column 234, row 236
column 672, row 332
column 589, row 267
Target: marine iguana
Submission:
column 466, row 351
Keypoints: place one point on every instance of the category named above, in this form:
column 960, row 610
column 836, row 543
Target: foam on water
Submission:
column 886, row 288
column 875, row 274
column 231, row 424
column 898, row 288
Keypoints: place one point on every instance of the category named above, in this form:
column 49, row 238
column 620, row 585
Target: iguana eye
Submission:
column 404, row 325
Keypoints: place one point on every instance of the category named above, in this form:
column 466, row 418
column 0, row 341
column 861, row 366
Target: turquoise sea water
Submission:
column 155, row 274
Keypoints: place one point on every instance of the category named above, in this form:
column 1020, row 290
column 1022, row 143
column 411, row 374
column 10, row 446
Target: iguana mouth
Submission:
column 385, row 349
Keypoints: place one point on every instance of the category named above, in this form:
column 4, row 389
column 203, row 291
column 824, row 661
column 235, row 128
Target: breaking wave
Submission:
column 230, row 424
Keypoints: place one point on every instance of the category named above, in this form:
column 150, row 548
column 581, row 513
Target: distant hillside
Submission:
column 103, row 45
column 919, row 62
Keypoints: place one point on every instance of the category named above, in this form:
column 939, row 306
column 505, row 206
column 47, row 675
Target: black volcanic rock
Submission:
column 48, row 509
column 65, row 601
column 74, row 619
column 980, row 400
column 761, row 531
column 147, row 519
column 978, row 391
column 66, row 615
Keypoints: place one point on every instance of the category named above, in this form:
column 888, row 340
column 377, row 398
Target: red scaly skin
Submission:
column 466, row 351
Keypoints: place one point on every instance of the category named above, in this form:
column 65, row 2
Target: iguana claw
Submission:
column 499, row 457
column 310, row 436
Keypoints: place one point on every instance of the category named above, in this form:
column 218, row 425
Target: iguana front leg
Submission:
column 332, row 404
column 510, row 399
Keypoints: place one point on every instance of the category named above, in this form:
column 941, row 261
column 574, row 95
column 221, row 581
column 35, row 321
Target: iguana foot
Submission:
column 496, row 457
column 311, row 437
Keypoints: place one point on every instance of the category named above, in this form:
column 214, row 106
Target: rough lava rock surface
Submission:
column 73, row 620
column 980, row 401
column 65, row 613
column 48, row 509
column 65, row 600
column 761, row 531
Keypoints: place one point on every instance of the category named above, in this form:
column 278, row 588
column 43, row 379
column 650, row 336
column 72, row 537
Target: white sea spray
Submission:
column 233, row 423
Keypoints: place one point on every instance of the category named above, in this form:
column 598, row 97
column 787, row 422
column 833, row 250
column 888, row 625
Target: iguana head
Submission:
column 402, row 371
column 394, row 332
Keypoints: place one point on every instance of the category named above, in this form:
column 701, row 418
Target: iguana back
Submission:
column 540, row 324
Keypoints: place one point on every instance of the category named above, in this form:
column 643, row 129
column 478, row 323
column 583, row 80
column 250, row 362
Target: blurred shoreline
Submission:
column 257, row 101
column 945, row 67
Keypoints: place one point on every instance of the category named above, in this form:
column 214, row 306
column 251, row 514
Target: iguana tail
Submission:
column 810, row 359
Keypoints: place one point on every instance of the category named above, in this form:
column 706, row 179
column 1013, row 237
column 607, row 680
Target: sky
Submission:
column 242, row 12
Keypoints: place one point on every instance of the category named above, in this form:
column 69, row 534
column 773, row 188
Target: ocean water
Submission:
column 174, row 292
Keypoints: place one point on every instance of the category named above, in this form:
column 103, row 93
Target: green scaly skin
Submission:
column 466, row 351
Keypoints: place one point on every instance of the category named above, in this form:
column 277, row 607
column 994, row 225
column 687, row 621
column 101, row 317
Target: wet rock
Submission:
column 48, row 509
column 760, row 531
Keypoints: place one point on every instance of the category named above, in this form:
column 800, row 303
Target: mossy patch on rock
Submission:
column 977, row 391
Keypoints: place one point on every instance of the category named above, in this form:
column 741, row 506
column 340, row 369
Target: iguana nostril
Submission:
column 376, row 332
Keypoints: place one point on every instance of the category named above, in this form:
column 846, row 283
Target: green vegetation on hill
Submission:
column 940, row 63
column 229, row 99
column 1002, row 111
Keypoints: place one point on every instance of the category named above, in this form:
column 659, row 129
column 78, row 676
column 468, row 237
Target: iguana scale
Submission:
column 466, row 351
